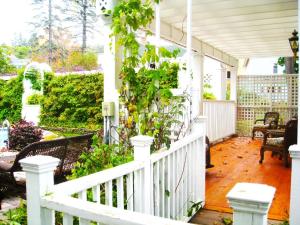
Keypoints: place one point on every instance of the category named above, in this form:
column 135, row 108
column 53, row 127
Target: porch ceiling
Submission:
column 241, row 28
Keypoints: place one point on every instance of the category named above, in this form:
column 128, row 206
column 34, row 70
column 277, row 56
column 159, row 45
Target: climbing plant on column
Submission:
column 147, row 76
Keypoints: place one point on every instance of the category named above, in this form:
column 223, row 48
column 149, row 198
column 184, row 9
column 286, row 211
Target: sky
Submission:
column 15, row 16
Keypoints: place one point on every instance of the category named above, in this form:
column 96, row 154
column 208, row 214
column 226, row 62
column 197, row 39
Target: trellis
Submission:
column 258, row 94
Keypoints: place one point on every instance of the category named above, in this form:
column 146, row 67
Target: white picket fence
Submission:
column 221, row 119
column 165, row 184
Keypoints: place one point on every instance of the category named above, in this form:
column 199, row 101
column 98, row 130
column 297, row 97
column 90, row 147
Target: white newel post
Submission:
column 295, row 185
column 251, row 203
column 142, row 153
column 39, row 181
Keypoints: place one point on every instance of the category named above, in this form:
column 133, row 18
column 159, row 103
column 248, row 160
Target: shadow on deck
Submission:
column 236, row 160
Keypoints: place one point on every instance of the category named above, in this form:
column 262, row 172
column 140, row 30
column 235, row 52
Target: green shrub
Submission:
column 34, row 99
column 207, row 94
column 11, row 99
column 102, row 157
column 72, row 101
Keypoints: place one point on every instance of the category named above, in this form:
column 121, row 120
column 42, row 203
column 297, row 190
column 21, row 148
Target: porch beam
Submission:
column 179, row 37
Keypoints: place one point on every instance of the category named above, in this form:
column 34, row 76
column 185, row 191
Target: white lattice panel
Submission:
column 258, row 94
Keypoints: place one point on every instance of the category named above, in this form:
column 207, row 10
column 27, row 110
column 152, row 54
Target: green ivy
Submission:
column 35, row 78
column 72, row 100
column 147, row 76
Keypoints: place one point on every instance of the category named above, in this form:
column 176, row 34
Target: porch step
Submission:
column 210, row 217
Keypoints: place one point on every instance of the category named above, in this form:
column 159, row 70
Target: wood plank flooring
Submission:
column 236, row 160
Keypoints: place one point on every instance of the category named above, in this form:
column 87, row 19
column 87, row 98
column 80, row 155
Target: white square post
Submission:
column 39, row 181
column 295, row 185
column 251, row 203
column 142, row 153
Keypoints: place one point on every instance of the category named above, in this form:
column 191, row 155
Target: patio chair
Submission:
column 270, row 121
column 279, row 142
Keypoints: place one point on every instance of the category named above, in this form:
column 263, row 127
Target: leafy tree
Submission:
column 82, row 13
column 289, row 63
column 47, row 20
column 5, row 66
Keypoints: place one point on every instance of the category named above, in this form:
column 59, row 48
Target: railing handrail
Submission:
column 101, row 213
column 174, row 147
column 89, row 181
column 219, row 101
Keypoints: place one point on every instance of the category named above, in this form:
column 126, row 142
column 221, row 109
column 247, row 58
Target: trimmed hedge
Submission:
column 11, row 99
column 72, row 101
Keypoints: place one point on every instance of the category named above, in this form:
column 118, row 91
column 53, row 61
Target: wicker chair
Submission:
column 270, row 121
column 279, row 142
column 67, row 150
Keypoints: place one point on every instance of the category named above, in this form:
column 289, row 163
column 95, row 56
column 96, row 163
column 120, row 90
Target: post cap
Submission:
column 39, row 164
column 251, row 192
column 141, row 140
column 295, row 151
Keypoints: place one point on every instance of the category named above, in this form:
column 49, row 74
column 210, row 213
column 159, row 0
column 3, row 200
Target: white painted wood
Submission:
column 254, row 21
column 102, row 213
column 223, row 81
column 111, row 74
column 295, row 185
column 130, row 193
column 168, row 187
column 96, row 194
column 67, row 219
column 39, row 182
column 157, row 189
column 162, row 188
column 141, row 145
column 142, row 153
column 108, row 193
column 166, row 170
column 137, row 192
column 84, row 183
column 84, row 222
column 120, row 193
column 251, row 203
column 221, row 118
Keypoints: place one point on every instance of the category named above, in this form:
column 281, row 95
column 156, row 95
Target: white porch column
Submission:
column 112, row 64
column 251, row 203
column 142, row 153
column 233, row 83
column 295, row 185
column 196, row 85
column 39, row 181
column 223, row 81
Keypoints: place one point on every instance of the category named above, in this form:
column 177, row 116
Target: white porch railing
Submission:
column 165, row 184
column 221, row 118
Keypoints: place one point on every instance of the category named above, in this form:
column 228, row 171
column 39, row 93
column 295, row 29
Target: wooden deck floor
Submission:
column 236, row 160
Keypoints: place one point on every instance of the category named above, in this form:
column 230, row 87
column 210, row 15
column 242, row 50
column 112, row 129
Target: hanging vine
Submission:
column 147, row 75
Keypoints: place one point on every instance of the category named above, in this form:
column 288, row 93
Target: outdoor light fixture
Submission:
column 294, row 43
